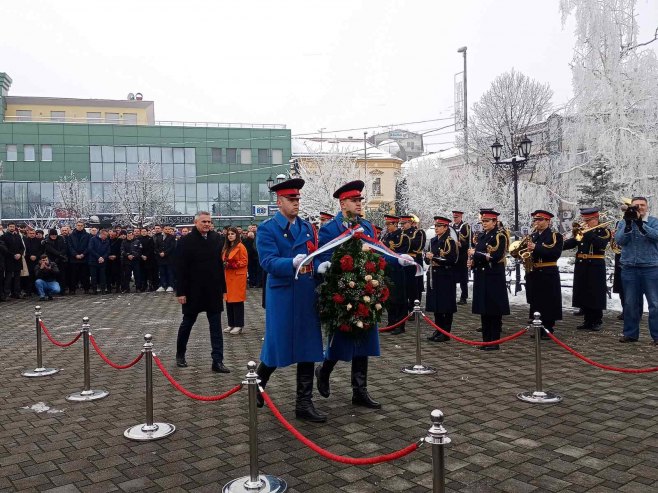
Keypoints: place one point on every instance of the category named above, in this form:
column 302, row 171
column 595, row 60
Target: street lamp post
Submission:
column 463, row 50
column 514, row 164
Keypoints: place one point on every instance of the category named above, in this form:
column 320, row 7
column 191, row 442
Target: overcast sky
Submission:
column 307, row 64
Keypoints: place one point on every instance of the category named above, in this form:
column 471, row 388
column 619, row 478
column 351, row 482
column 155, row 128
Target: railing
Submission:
column 121, row 121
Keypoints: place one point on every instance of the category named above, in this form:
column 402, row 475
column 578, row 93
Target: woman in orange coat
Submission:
column 234, row 256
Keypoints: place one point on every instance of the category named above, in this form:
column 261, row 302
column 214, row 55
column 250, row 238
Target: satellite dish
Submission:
column 138, row 96
column 131, row 96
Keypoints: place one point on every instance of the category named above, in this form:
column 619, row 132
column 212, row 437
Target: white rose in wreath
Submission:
column 348, row 307
column 366, row 299
column 378, row 306
column 368, row 278
column 359, row 324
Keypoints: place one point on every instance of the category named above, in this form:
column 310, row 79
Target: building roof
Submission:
column 315, row 146
column 435, row 159
column 117, row 103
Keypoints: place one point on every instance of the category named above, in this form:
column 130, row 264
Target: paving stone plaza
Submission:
column 603, row 436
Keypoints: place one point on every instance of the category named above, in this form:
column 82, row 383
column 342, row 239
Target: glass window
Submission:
column 12, row 152
column 119, row 154
column 202, row 191
column 222, row 192
column 190, row 170
column 167, row 155
column 156, row 155
column 179, row 171
column 263, row 192
column 108, row 171
column 94, row 117
column 95, row 154
column 96, row 171
column 216, row 155
column 46, row 152
column 143, row 154
column 97, row 192
column 213, row 191
column 108, row 154
column 190, row 192
column 34, row 193
column 245, row 156
column 8, row 192
column 234, row 192
column 130, row 118
column 111, row 117
column 23, row 115
column 377, row 186
column 231, row 155
column 46, row 192
column 28, row 152
column 131, row 155
column 277, row 156
column 179, row 155
column 190, row 155
column 131, row 169
column 108, row 190
column 167, row 171
column 120, row 170
column 179, row 190
column 58, row 116
column 263, row 156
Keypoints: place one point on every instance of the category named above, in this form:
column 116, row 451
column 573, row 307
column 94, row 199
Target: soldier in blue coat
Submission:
column 292, row 327
column 341, row 346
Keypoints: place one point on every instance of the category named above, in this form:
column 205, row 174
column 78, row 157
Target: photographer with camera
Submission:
column 46, row 273
column 637, row 234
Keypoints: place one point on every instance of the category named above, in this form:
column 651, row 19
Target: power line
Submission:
column 375, row 126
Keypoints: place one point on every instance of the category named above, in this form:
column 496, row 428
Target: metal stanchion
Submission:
column 39, row 371
column 254, row 483
column 87, row 393
column 418, row 368
column 437, row 437
column 538, row 396
column 149, row 430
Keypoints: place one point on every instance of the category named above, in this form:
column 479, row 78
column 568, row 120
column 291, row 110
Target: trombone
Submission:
column 578, row 231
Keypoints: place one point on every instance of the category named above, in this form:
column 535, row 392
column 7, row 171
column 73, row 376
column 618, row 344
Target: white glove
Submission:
column 324, row 267
column 406, row 260
column 298, row 259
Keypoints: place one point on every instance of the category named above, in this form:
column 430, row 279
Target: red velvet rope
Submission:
column 599, row 365
column 108, row 361
column 391, row 327
column 179, row 387
column 475, row 343
column 55, row 341
column 328, row 455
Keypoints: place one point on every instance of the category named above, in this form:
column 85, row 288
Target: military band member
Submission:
column 292, row 327
column 460, row 270
column 408, row 229
column 417, row 247
column 589, row 286
column 342, row 347
column 543, row 290
column 487, row 259
column 325, row 217
column 378, row 232
column 397, row 302
column 441, row 289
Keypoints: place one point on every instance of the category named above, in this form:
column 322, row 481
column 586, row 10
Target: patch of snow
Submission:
column 42, row 407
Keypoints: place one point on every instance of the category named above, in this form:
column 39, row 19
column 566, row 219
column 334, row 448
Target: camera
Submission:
column 632, row 212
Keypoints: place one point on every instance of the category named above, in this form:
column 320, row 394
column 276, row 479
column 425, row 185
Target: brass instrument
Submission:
column 519, row 250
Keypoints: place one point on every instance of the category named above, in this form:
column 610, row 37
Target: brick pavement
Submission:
column 602, row 438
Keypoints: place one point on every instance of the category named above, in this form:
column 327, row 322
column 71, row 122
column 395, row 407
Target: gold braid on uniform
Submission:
column 392, row 244
column 420, row 250
column 607, row 235
column 497, row 245
column 468, row 232
column 443, row 253
column 554, row 241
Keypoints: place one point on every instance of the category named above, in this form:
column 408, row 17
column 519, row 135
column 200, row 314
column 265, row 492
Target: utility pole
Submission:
column 365, row 158
column 321, row 136
column 463, row 50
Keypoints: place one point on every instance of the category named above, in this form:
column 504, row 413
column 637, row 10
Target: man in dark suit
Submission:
column 199, row 288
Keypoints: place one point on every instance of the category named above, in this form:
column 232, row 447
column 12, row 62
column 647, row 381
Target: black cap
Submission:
column 390, row 218
column 589, row 211
column 441, row 221
column 490, row 213
column 289, row 188
column 351, row 190
column 542, row 213
column 52, row 232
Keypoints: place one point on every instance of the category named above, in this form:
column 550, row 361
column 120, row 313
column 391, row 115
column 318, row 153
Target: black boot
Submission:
column 264, row 373
column 304, row 408
column 322, row 373
column 360, row 396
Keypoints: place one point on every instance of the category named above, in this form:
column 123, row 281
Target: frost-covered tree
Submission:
column 512, row 103
column 323, row 174
column 613, row 117
column 598, row 187
column 74, row 195
column 142, row 197
column 42, row 217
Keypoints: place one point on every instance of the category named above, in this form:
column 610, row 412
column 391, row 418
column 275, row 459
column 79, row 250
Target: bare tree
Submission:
column 74, row 197
column 142, row 197
column 42, row 217
column 323, row 174
column 512, row 103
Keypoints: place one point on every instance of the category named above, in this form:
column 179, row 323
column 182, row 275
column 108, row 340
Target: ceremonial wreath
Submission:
column 355, row 290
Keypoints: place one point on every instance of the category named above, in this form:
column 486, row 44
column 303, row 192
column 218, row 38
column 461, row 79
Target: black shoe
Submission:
column 544, row 336
column 360, row 397
column 264, row 373
column 627, row 339
column 412, row 318
column 595, row 327
column 322, row 374
column 310, row 414
column 462, row 302
column 495, row 347
column 181, row 363
column 42, row 298
column 579, row 313
column 479, row 329
column 397, row 331
column 304, row 408
column 434, row 336
column 50, row 298
column 585, row 326
column 219, row 368
column 620, row 316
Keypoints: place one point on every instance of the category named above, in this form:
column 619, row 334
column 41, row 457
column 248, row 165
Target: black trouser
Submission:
column 396, row 312
column 216, row 339
column 130, row 268
column 593, row 316
column 79, row 276
column 412, row 287
column 13, row 283
column 253, row 274
column 153, row 275
column 235, row 314
column 3, row 296
column 463, row 288
column 491, row 327
column 113, row 273
column 97, row 272
column 443, row 320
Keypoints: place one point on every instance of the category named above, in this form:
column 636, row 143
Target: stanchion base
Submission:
column 269, row 484
column 40, row 372
column 418, row 370
column 144, row 432
column 539, row 397
column 87, row 395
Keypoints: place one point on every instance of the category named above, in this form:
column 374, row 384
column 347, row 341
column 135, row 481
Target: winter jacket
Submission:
column 98, row 248
column 14, row 246
column 56, row 249
column 78, row 242
column 47, row 275
column 131, row 247
column 164, row 244
column 639, row 245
